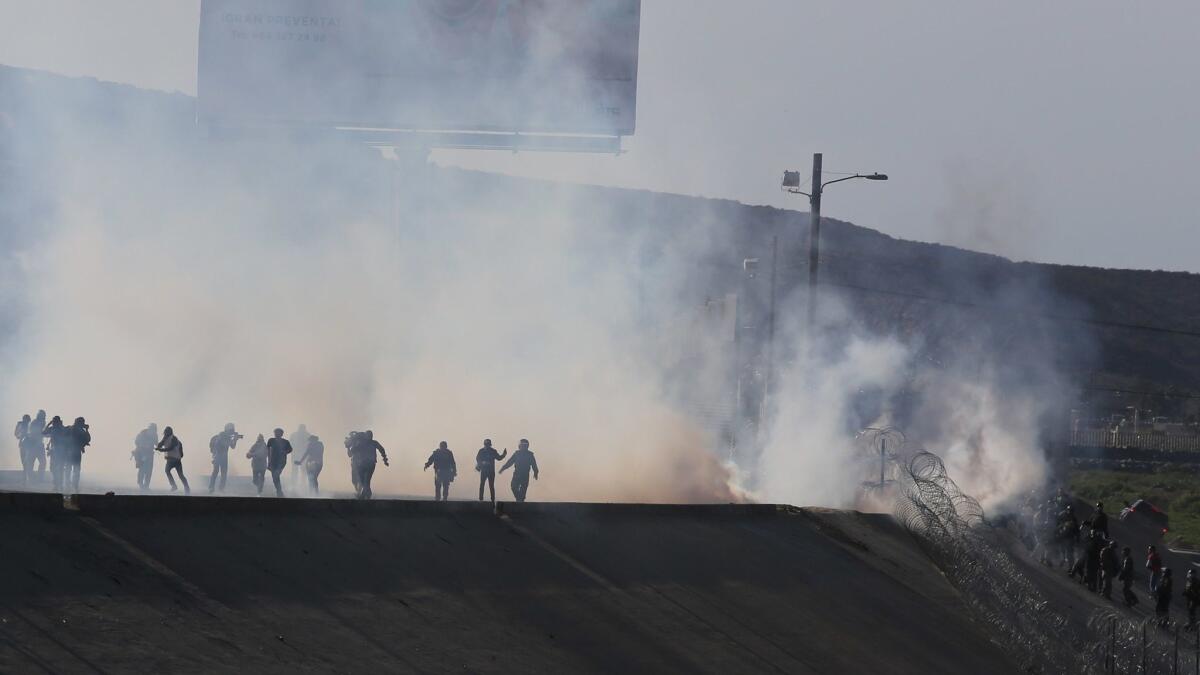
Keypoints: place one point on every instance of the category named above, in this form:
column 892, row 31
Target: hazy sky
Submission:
column 1062, row 131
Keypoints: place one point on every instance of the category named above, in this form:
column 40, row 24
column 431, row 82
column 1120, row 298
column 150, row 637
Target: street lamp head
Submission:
column 876, row 176
column 791, row 179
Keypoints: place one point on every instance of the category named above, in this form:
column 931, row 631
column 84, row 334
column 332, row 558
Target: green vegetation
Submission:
column 1176, row 492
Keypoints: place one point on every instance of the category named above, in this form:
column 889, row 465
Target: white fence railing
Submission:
column 1141, row 440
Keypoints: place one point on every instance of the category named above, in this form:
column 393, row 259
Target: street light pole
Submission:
column 814, row 242
column 791, row 183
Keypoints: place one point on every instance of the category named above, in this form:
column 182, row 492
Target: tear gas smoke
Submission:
column 188, row 282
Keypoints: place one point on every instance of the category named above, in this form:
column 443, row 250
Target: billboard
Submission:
column 538, row 66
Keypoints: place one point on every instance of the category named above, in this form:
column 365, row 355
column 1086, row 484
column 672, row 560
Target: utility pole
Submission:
column 814, row 242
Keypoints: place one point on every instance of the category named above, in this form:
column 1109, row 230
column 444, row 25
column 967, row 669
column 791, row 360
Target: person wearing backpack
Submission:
column 77, row 438
column 220, row 445
column 172, row 449
column 444, row 471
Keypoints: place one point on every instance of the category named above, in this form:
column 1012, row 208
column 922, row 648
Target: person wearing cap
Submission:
column 444, row 471
column 485, row 464
column 220, row 445
column 522, row 462
column 172, row 449
column 278, row 449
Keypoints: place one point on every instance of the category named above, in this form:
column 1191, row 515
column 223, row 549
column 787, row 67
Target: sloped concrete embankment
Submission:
column 171, row 584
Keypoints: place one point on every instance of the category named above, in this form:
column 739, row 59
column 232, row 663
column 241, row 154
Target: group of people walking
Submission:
column 445, row 469
column 1090, row 555
column 65, row 445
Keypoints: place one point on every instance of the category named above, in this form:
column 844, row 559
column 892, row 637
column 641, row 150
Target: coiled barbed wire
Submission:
column 952, row 527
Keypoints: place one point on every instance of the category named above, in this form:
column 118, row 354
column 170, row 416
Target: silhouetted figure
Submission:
column 1100, row 520
column 1068, row 537
column 521, row 462
column 299, row 441
column 143, row 454
column 1162, row 598
column 1154, row 564
column 444, row 471
column 220, row 445
column 56, row 432
column 1191, row 595
column 1091, row 564
column 37, row 442
column 313, row 461
column 76, row 439
column 349, row 442
column 1110, row 566
column 362, row 461
column 485, row 464
column 21, row 433
column 172, row 449
column 1126, row 577
column 278, row 448
column 258, row 462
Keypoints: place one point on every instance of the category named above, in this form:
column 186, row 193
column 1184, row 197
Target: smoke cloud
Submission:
column 164, row 277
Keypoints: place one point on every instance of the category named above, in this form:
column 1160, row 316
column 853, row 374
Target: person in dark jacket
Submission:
column 1110, row 566
column 1191, row 595
column 77, row 438
column 522, row 462
column 143, row 454
column 1068, row 537
column 1162, row 598
column 220, row 445
column 444, row 471
column 363, row 461
column 172, row 449
column 258, row 463
column 313, row 461
column 1126, row 577
column 56, row 432
column 485, row 464
column 1091, row 566
column 278, row 449
column 37, row 442
column 1100, row 520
